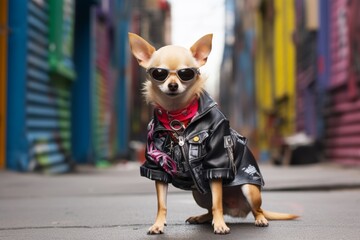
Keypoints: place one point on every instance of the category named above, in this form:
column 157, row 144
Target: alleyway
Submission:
column 117, row 203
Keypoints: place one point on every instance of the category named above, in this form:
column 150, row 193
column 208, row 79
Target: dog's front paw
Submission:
column 157, row 228
column 220, row 227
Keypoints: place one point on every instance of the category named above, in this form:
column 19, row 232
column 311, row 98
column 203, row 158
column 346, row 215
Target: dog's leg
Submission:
column 160, row 222
column 219, row 224
column 253, row 196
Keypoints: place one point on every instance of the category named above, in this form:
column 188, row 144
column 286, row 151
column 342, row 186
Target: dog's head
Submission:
column 173, row 75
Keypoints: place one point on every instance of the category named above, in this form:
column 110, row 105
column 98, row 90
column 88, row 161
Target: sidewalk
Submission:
column 325, row 176
column 125, row 179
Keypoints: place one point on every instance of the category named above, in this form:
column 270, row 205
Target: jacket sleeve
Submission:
column 219, row 162
column 154, row 172
column 151, row 168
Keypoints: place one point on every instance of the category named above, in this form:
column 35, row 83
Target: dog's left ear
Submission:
column 202, row 48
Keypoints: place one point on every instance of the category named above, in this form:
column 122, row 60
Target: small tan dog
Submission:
column 190, row 143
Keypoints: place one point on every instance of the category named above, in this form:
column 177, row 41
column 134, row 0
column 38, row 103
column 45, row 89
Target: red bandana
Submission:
column 184, row 115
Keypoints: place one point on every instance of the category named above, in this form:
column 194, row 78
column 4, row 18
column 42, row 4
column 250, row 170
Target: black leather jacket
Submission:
column 207, row 149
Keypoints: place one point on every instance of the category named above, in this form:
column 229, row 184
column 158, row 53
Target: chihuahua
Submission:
column 190, row 143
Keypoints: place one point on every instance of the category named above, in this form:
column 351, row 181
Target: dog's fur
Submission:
column 221, row 200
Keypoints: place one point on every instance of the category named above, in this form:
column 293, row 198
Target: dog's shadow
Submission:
column 205, row 231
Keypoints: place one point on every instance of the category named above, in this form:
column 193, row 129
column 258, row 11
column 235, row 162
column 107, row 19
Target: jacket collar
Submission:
column 206, row 102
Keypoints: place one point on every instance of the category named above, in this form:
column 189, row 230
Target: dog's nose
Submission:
column 173, row 87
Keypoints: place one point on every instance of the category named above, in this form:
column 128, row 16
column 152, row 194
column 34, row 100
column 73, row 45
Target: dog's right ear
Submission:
column 141, row 49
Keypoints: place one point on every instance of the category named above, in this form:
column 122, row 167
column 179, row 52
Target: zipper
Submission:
column 181, row 143
column 228, row 144
column 232, row 162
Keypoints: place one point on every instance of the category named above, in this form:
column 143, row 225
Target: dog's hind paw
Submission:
column 205, row 218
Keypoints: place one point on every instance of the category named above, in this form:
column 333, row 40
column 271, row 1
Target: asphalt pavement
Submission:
column 116, row 203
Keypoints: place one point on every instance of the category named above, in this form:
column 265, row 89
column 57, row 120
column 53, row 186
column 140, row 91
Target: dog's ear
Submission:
column 141, row 49
column 202, row 48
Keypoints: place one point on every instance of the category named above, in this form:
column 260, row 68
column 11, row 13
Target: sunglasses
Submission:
column 184, row 74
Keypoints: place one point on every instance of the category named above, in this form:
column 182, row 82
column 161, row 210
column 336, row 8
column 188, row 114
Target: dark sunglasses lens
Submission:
column 186, row 74
column 159, row 74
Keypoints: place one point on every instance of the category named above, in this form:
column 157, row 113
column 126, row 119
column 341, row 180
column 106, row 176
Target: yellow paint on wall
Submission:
column 275, row 71
column 263, row 79
column 284, row 59
column 3, row 76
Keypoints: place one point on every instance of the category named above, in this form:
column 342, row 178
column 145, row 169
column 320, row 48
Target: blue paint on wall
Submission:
column 123, row 114
column 17, row 147
column 82, row 148
column 122, row 30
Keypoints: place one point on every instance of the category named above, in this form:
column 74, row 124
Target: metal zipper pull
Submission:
column 181, row 141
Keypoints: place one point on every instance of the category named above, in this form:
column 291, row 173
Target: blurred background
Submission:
column 285, row 72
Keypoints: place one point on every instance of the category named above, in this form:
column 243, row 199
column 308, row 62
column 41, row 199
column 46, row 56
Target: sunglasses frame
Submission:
column 195, row 70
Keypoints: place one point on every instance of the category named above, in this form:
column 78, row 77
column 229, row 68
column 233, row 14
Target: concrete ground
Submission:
column 117, row 203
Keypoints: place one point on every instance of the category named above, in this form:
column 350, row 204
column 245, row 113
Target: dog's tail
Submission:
column 279, row 216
